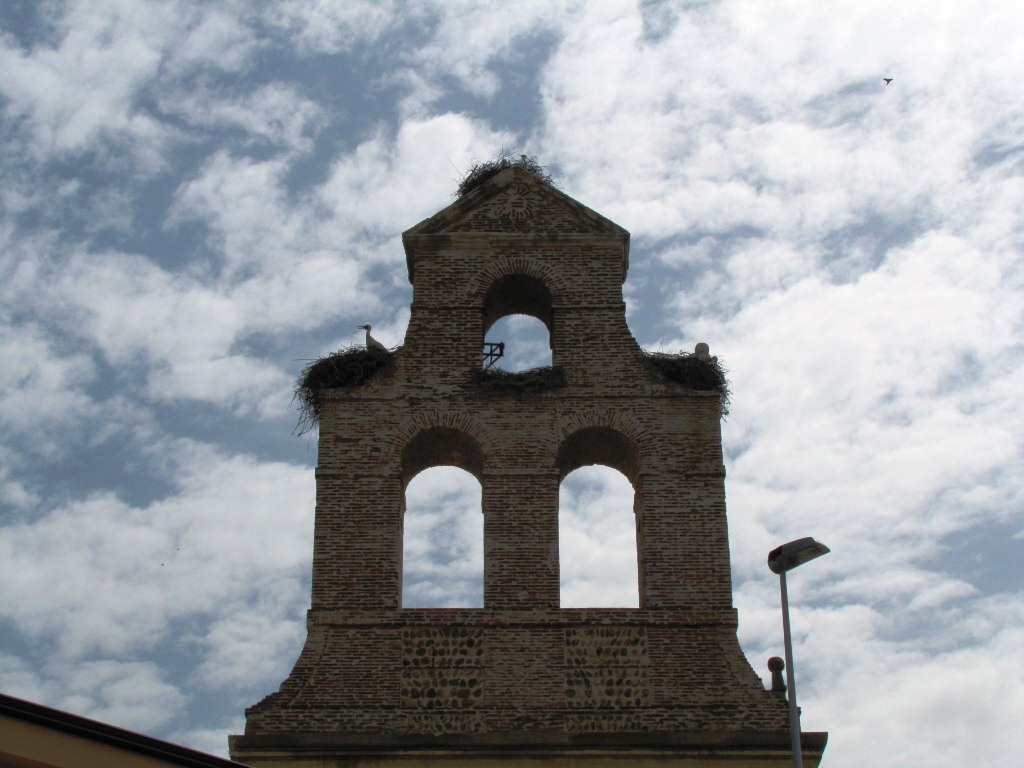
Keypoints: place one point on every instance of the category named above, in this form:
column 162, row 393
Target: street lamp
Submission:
column 782, row 559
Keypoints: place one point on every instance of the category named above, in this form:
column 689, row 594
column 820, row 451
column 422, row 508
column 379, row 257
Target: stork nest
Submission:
column 692, row 372
column 481, row 172
column 348, row 367
column 527, row 382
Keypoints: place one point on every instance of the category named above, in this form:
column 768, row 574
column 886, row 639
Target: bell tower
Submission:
column 521, row 679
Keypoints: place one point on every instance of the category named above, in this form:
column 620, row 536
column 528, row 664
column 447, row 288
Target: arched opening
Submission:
column 443, row 541
column 441, row 446
column 597, row 528
column 597, row 548
column 517, row 295
column 525, row 340
column 517, row 314
column 599, row 445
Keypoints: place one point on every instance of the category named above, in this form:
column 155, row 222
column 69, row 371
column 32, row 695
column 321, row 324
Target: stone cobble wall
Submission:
column 438, row 671
column 520, row 664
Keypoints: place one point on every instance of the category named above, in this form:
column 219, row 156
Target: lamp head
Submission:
column 789, row 556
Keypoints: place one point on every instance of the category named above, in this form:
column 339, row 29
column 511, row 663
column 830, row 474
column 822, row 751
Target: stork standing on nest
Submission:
column 371, row 343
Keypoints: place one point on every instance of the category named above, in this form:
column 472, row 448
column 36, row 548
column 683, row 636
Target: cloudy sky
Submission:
column 197, row 198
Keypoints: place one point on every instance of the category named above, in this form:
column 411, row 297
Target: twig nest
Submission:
column 697, row 370
column 349, row 367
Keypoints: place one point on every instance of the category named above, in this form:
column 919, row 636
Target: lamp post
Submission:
column 780, row 560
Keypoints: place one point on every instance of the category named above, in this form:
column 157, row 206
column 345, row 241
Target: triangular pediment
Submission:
column 516, row 201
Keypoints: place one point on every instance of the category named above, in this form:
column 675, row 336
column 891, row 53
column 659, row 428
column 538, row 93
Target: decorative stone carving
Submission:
column 514, row 205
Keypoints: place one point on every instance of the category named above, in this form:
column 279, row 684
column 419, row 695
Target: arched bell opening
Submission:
column 597, row 542
column 442, row 521
column 518, row 322
column 598, row 531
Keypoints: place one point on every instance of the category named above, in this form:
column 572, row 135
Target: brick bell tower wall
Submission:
column 520, row 670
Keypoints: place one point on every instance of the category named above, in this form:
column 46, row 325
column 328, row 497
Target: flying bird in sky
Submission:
column 887, row 80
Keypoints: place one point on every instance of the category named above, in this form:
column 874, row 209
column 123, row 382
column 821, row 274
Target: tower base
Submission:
column 744, row 749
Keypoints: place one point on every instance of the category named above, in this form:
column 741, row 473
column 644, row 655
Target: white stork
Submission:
column 372, row 343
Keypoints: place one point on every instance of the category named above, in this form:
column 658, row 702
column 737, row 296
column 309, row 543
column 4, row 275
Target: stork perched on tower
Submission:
column 371, row 343
column 703, row 352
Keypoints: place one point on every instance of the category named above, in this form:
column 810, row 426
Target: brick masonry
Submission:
column 519, row 665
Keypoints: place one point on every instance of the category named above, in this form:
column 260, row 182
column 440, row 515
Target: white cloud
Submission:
column 770, row 127
column 101, row 576
column 15, row 495
column 217, row 37
column 131, row 304
column 129, row 695
column 41, row 386
column 181, row 330
column 471, row 43
column 20, row 679
column 211, row 739
column 275, row 113
column 296, row 260
column 920, row 704
column 82, row 89
column 233, row 381
column 468, row 46
column 255, row 642
column 322, row 26
column 244, row 202
column 171, row 336
column 903, row 440
column 415, row 171
column 287, row 264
